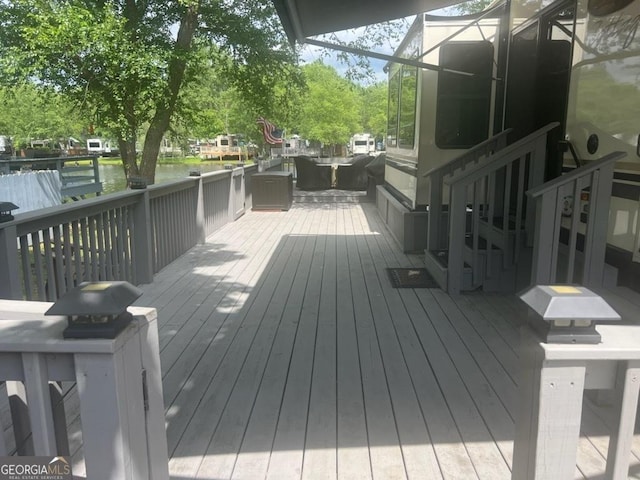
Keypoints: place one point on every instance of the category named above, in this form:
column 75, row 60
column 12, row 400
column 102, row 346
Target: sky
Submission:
column 311, row 53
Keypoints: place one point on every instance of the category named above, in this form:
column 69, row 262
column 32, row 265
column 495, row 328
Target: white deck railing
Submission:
column 128, row 235
column 119, row 387
column 552, row 384
column 437, row 229
column 78, row 177
column 557, row 205
column 498, row 209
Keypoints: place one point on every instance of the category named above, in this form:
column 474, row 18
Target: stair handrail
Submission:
column 499, row 159
column 436, row 176
column 549, row 200
column 532, row 147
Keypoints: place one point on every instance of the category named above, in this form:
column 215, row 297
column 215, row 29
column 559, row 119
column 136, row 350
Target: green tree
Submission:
column 472, row 6
column 373, row 109
column 213, row 105
column 329, row 110
column 29, row 112
column 126, row 61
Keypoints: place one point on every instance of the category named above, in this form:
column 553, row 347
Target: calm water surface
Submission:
column 113, row 180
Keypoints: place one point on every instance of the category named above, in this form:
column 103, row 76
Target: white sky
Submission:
column 311, row 53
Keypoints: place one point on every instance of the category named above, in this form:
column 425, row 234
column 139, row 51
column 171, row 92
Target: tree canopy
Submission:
column 329, row 108
column 126, row 62
column 30, row 113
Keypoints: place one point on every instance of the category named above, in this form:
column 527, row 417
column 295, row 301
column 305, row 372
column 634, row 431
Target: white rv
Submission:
column 522, row 67
column 362, row 144
column 98, row 146
column 224, row 147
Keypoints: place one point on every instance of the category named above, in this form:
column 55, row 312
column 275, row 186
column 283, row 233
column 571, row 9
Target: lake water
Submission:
column 113, row 180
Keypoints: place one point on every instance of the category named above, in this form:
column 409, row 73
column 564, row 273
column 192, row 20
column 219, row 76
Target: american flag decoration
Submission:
column 270, row 132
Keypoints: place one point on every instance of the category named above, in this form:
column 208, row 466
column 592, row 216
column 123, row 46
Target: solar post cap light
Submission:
column 5, row 211
column 566, row 313
column 96, row 310
column 137, row 183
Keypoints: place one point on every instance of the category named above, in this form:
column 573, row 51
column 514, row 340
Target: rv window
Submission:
column 394, row 94
column 407, row 120
column 464, row 102
column 94, row 144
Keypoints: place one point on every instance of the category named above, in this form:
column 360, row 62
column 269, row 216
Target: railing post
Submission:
column 596, row 235
column 201, row 236
column 142, row 246
column 549, row 414
column 36, row 382
column 536, row 177
column 119, row 386
column 621, row 440
column 543, row 266
column 10, row 287
column 559, row 359
column 457, row 222
column 248, row 198
column 232, row 199
column 96, row 173
column 434, row 220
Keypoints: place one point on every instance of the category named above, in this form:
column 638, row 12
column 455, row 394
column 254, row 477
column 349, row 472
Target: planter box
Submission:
column 272, row 190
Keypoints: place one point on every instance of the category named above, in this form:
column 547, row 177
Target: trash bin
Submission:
column 272, row 190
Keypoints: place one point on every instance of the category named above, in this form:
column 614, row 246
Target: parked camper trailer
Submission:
column 362, row 144
column 294, row 146
column 6, row 146
column 571, row 62
column 104, row 148
column 224, row 147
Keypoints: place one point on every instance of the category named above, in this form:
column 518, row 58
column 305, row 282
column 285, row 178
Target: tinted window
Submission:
column 394, row 94
column 407, row 120
column 464, row 101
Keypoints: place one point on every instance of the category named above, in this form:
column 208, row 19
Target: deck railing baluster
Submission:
column 123, row 236
column 530, row 154
column 548, row 199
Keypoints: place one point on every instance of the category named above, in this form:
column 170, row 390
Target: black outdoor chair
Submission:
column 310, row 175
column 375, row 172
column 353, row 176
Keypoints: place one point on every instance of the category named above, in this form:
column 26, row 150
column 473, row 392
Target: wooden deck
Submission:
column 287, row 354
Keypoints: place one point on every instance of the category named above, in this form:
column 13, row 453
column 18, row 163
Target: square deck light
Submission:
column 567, row 313
column 5, row 211
column 137, row 183
column 96, row 310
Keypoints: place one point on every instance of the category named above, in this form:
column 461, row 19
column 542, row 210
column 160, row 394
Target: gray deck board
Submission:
column 287, row 354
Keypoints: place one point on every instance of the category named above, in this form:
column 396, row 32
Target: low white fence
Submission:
column 118, row 383
column 128, row 235
column 123, row 236
column 552, row 385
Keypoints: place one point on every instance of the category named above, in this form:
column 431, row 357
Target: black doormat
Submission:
column 411, row 278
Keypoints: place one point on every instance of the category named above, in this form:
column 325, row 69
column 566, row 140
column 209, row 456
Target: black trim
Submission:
column 395, row 193
column 630, row 177
column 408, row 168
column 628, row 270
column 626, row 191
column 621, row 190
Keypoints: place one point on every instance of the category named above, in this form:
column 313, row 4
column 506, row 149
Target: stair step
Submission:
column 436, row 263
column 482, row 243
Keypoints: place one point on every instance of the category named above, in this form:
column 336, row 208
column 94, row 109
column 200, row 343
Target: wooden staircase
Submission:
column 485, row 222
column 501, row 228
column 569, row 244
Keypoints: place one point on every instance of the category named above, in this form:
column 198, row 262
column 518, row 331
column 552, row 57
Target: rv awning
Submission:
column 305, row 18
